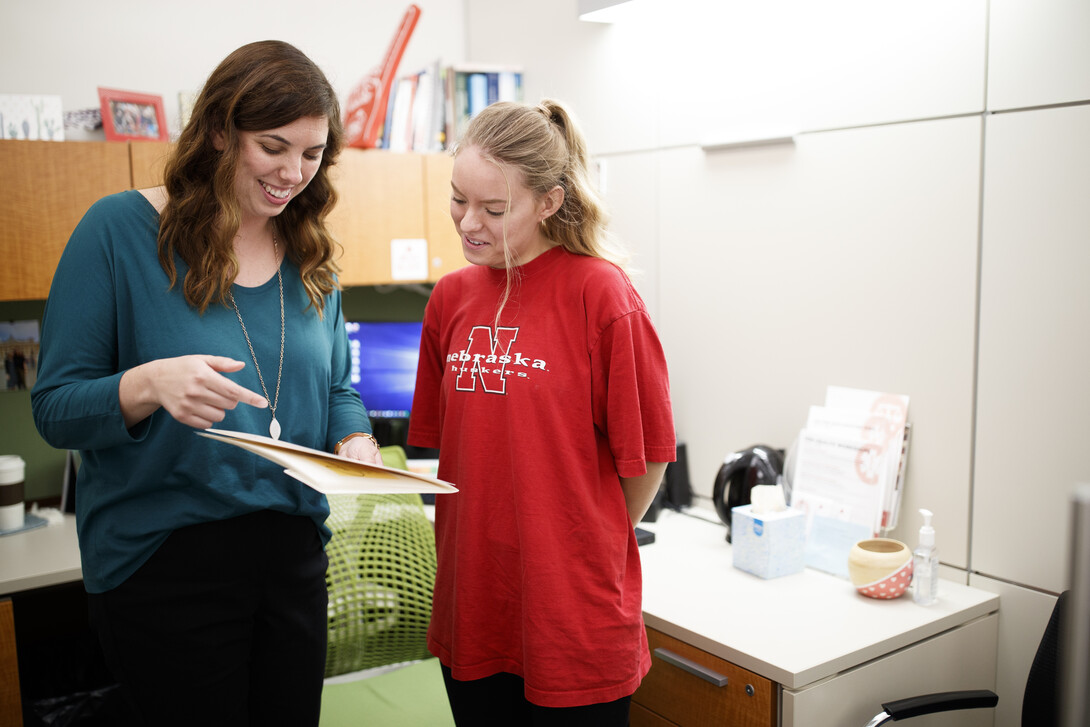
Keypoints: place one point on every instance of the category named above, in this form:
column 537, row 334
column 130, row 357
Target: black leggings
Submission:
column 499, row 701
column 224, row 625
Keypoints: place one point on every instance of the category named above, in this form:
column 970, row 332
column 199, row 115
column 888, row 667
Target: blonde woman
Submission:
column 543, row 385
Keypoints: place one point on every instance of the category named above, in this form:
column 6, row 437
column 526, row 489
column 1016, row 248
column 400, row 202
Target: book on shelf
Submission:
column 428, row 110
column 331, row 474
column 429, row 131
column 397, row 134
column 471, row 88
column 478, row 92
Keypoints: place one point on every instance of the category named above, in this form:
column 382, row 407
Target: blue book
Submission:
column 478, row 92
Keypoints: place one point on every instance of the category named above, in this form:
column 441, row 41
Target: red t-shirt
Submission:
column 539, row 572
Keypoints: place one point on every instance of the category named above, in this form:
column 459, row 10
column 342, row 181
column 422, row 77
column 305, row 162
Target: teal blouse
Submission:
column 110, row 309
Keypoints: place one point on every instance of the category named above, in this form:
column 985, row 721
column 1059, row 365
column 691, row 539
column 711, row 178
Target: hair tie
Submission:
column 551, row 114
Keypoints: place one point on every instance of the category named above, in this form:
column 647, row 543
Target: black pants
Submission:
column 500, row 701
column 224, row 625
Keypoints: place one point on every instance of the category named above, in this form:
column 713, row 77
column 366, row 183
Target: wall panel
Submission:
column 849, row 259
column 756, row 66
column 680, row 72
column 1038, row 53
column 631, row 197
column 1034, row 379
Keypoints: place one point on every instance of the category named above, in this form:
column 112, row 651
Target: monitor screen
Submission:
column 384, row 356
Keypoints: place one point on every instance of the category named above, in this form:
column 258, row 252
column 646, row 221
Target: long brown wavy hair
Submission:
column 260, row 86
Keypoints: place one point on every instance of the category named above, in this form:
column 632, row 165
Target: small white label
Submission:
column 409, row 259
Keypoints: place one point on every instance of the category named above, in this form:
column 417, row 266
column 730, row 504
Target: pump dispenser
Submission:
column 925, row 564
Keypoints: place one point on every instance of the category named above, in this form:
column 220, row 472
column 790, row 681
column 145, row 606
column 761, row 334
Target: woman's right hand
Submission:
column 191, row 388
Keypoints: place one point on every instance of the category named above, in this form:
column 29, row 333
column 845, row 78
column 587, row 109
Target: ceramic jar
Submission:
column 880, row 567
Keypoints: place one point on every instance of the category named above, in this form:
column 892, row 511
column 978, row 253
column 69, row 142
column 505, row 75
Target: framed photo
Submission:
column 129, row 116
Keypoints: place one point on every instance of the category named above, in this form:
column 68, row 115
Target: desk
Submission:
column 833, row 656
column 30, row 560
column 44, row 556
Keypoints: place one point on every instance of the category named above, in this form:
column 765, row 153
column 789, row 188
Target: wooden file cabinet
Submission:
column 688, row 686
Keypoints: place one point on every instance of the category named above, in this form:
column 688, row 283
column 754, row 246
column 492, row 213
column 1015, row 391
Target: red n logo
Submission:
column 485, row 359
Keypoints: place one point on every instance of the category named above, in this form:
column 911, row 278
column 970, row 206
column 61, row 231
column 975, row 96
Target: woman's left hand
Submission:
column 361, row 448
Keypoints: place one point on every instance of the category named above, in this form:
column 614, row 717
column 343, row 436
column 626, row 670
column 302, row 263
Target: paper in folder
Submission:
column 331, row 474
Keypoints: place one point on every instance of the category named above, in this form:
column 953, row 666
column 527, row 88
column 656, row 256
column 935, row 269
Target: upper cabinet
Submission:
column 393, row 217
column 147, row 160
column 48, row 187
column 444, row 242
column 383, row 197
column 379, row 201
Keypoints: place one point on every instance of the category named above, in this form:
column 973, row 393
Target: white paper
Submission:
column 841, row 478
column 880, row 420
column 409, row 259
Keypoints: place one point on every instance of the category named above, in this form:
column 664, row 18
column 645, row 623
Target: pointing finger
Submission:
column 252, row 398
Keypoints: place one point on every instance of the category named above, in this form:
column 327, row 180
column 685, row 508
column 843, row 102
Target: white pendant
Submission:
column 274, row 429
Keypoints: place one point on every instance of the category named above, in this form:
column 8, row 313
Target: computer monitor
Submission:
column 384, row 356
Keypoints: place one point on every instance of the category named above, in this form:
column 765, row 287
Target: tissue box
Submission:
column 769, row 544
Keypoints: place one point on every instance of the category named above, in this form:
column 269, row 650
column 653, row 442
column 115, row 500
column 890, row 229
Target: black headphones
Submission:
column 741, row 471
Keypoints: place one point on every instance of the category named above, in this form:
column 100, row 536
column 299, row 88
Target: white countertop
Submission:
column 44, row 556
column 794, row 630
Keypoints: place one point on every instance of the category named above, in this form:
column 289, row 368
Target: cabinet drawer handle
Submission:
column 691, row 666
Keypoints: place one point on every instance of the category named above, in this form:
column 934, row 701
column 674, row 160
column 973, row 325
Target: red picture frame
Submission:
column 130, row 116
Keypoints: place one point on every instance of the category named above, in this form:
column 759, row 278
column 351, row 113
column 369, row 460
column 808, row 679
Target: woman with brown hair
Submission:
column 171, row 306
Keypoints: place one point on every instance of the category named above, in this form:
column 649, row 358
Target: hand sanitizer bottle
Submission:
column 925, row 564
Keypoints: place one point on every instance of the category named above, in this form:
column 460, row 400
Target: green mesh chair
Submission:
column 380, row 579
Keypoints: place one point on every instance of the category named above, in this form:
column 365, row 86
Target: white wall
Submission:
column 808, row 274
column 926, row 235
column 71, row 47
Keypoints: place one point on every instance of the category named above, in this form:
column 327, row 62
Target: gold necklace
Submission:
column 274, row 426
